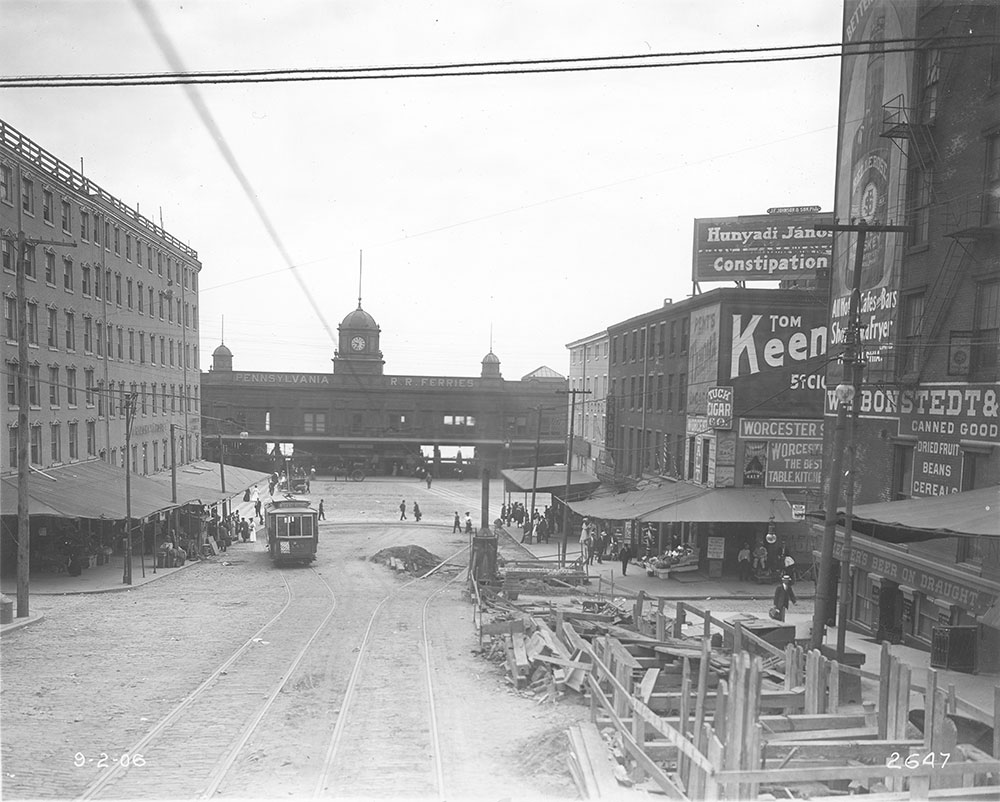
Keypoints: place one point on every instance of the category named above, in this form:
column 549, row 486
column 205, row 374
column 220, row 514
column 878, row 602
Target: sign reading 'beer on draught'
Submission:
column 761, row 247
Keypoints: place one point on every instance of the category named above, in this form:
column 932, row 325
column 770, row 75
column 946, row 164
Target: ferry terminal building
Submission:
column 358, row 416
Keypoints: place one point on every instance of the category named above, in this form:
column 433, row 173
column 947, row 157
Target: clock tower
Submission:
column 358, row 351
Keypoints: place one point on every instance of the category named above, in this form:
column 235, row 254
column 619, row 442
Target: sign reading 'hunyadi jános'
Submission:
column 761, row 247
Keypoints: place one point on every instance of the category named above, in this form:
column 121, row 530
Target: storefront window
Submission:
column 866, row 600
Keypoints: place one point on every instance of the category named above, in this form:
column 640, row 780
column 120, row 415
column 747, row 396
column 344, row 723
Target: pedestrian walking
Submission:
column 743, row 562
column 625, row 555
column 468, row 523
column 600, row 544
column 457, row 526
column 402, row 510
column 322, row 512
column 416, row 511
column 429, row 480
column 783, row 594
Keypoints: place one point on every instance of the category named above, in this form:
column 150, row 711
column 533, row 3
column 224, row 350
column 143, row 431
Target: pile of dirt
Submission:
column 543, row 757
column 412, row 559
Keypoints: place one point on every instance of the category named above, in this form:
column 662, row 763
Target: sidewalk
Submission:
column 975, row 692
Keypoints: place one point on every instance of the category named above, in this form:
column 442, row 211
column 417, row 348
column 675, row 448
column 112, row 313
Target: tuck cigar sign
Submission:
column 720, row 407
column 761, row 247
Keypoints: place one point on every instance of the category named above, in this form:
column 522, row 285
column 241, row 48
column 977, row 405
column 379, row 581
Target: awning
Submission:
column 727, row 505
column 635, row 503
column 201, row 482
column 970, row 513
column 551, row 479
column 91, row 489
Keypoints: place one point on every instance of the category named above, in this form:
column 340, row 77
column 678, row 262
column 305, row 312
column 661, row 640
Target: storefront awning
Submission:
column 91, row 489
column 970, row 513
column 201, row 482
column 726, row 505
column 634, row 504
column 551, row 479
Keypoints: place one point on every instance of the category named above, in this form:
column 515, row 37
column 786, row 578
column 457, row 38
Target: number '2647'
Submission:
column 915, row 760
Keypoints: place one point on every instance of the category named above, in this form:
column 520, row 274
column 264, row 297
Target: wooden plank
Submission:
column 866, row 751
column 679, row 620
column 535, row 645
column 622, row 655
column 851, row 772
column 885, row 672
column 699, row 702
column 503, row 627
column 720, row 702
column 647, row 684
column 833, row 688
column 855, row 733
column 600, row 762
column 711, row 791
column 558, row 661
column 823, row 721
column 520, row 654
column 554, row 644
column 685, row 712
column 573, row 639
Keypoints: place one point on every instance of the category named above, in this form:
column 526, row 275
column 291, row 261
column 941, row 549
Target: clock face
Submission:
column 358, row 343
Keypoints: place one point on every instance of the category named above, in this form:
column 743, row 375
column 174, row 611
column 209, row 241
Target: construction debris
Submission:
column 411, row 559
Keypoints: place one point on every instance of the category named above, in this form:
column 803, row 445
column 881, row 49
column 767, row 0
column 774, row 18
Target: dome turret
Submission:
column 491, row 366
column 222, row 358
column 358, row 345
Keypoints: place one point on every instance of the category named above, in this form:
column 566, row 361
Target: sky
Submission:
column 530, row 209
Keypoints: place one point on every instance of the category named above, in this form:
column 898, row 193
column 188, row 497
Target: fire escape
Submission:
column 965, row 221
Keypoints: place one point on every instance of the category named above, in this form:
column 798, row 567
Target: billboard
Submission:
column 871, row 177
column 703, row 357
column 765, row 247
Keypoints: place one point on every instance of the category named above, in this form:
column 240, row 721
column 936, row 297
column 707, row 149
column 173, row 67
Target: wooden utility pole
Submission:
column 847, row 393
column 129, row 401
column 534, row 477
column 569, row 467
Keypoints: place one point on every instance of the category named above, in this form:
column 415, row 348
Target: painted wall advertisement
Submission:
column 792, row 450
column 763, row 247
column 703, row 357
column 870, row 177
column 720, row 407
column 774, row 358
column 942, row 418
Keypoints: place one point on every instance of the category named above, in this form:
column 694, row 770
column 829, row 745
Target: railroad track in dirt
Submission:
column 387, row 729
column 188, row 753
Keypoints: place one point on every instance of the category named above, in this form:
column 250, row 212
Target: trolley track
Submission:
column 191, row 749
column 388, row 710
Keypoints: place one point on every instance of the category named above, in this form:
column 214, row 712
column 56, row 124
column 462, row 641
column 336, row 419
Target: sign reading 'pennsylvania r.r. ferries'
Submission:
column 761, row 247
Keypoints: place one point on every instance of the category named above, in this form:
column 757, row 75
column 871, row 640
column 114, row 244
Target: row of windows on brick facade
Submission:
column 652, row 392
column 317, row 422
column 110, row 398
column 652, row 341
column 121, row 343
column 72, row 442
column 112, row 239
column 130, row 294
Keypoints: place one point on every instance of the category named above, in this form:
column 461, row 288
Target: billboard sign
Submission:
column 720, row 407
column 762, row 247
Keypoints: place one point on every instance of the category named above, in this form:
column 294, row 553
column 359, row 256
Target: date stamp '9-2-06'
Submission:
column 915, row 760
column 106, row 761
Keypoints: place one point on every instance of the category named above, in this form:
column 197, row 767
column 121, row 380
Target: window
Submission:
column 682, row 392
column 107, row 235
column 71, row 387
column 121, row 343
column 32, row 324
column 53, row 327
column 142, row 403
column 29, row 261
column 101, row 399
column 74, row 446
column 34, row 386
column 128, row 292
column 145, row 458
column 685, row 330
column 149, row 258
column 100, row 339
column 7, row 249
column 150, row 301
column 118, row 289
column 84, row 224
column 170, row 311
column 659, row 391
column 171, row 350
column 55, row 442
column 66, row 214
column 314, row 422
column 673, row 337
column 173, row 404
column 54, row 386
column 12, row 400
column 635, row 344
column 161, row 306
column 631, row 393
column 118, row 245
column 931, row 71
column 88, row 387
column 142, row 348
column 36, row 443
column 986, row 331
column 97, row 282
column 992, row 211
column 138, row 251
column 131, row 345
column 642, row 392
column 68, row 274
column 6, row 183
column 459, row 420
column 670, row 391
column 920, row 179
column 194, row 322
column 91, row 439
column 70, row 332
column 156, row 456
column 159, row 266
column 10, row 317
column 163, row 350
column 911, row 319
column 27, row 195
column 97, row 230
column 152, row 397
column 85, row 280
column 47, row 211
column 139, row 295
column 614, row 350
column 88, row 334
column 902, row 474
column 50, row 268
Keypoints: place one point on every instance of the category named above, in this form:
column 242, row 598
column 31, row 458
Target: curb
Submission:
column 20, row 623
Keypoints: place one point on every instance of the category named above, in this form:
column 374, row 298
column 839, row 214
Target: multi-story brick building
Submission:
column 920, row 146
column 588, row 372
column 112, row 308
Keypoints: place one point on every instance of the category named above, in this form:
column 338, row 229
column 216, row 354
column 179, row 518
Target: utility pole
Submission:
column 534, row 479
column 569, row 468
column 22, row 243
column 222, row 467
column 129, row 400
column 846, row 393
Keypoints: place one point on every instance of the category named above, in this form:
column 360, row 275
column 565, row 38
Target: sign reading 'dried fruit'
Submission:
column 761, row 247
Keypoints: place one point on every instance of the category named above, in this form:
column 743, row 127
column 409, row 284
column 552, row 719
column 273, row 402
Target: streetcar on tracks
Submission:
column 292, row 529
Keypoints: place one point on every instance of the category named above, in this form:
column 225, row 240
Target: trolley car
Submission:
column 292, row 529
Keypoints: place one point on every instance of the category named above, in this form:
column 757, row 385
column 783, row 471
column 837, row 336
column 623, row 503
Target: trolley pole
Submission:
column 569, row 467
column 846, row 393
column 129, row 416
